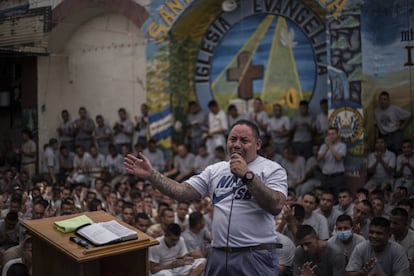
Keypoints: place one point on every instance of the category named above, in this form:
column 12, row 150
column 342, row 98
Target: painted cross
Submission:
column 245, row 73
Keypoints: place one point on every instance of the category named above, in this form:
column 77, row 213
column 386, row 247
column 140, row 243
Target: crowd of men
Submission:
column 324, row 228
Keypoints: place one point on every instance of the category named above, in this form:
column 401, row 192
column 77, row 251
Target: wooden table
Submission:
column 54, row 254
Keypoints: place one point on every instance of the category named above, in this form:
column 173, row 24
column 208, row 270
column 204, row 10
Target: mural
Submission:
column 387, row 35
column 281, row 51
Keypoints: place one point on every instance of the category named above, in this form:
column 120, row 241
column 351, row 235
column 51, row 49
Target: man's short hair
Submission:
column 344, row 217
column 313, row 195
column 195, row 218
column 167, row 209
column 380, row 221
column 142, row 215
column 303, row 231
column 52, row 141
column 400, row 212
column 299, row 213
column 173, row 229
column 248, row 123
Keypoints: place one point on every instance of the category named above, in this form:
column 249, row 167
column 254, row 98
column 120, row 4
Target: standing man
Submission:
column 66, row 131
column 217, row 127
column 332, row 155
column 278, row 128
column 28, row 154
column 84, row 127
column 123, row 130
column 390, row 120
column 102, row 135
column 51, row 160
column 141, row 125
column 302, row 130
column 260, row 118
column 196, row 126
column 248, row 185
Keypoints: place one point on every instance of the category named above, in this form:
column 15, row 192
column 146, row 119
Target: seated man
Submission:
column 344, row 236
column 401, row 232
column 197, row 237
column 315, row 219
column 170, row 256
column 314, row 256
column 378, row 255
column 183, row 164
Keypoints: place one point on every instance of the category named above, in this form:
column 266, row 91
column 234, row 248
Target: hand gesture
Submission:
column 139, row 166
column 307, row 269
column 369, row 265
column 238, row 165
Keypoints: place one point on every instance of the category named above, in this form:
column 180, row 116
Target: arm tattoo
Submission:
column 268, row 199
column 179, row 191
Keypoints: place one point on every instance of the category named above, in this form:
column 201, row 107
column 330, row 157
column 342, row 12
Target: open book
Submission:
column 102, row 233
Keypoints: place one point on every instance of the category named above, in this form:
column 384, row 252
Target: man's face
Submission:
column 398, row 225
column 343, row 226
column 142, row 224
column 128, row 215
column 65, row 193
column 361, row 212
column 277, row 110
column 380, row 144
column 182, row 151
column 14, row 207
column 167, row 218
column 65, row 116
column 257, row 105
column 99, row 121
column 332, row 135
column 171, row 240
column 309, row 244
column 344, row 199
column 384, row 101
column 309, row 203
column 38, row 211
column 378, row 237
column 122, row 115
column 182, row 210
column 82, row 113
column 241, row 140
column 303, row 109
column 377, row 205
column 327, row 202
column 79, row 152
column 407, row 149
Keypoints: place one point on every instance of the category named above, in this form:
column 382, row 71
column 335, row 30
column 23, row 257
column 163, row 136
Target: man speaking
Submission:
column 247, row 192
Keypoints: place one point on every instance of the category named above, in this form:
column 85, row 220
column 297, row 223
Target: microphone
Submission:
column 234, row 186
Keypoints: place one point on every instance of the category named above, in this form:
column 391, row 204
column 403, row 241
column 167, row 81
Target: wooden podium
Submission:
column 54, row 254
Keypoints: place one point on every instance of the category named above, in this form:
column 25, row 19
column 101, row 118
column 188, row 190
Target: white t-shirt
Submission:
column 389, row 120
column 162, row 254
column 217, row 181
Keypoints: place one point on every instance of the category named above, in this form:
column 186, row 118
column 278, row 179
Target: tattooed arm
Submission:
column 268, row 199
column 142, row 168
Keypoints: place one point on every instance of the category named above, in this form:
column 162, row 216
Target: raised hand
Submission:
column 139, row 166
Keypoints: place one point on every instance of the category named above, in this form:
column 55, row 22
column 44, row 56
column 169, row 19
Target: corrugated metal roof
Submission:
column 27, row 32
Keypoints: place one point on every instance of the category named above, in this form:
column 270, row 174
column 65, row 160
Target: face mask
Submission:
column 344, row 235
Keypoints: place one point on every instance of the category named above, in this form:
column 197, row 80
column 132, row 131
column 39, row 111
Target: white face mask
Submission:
column 344, row 235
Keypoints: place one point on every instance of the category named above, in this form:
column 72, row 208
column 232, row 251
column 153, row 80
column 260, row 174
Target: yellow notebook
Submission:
column 70, row 225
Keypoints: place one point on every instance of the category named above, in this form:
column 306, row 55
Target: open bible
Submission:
column 106, row 232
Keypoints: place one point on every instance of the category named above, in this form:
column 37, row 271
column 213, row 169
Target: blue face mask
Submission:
column 344, row 235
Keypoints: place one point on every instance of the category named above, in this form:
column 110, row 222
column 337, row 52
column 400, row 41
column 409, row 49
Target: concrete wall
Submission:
column 102, row 68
